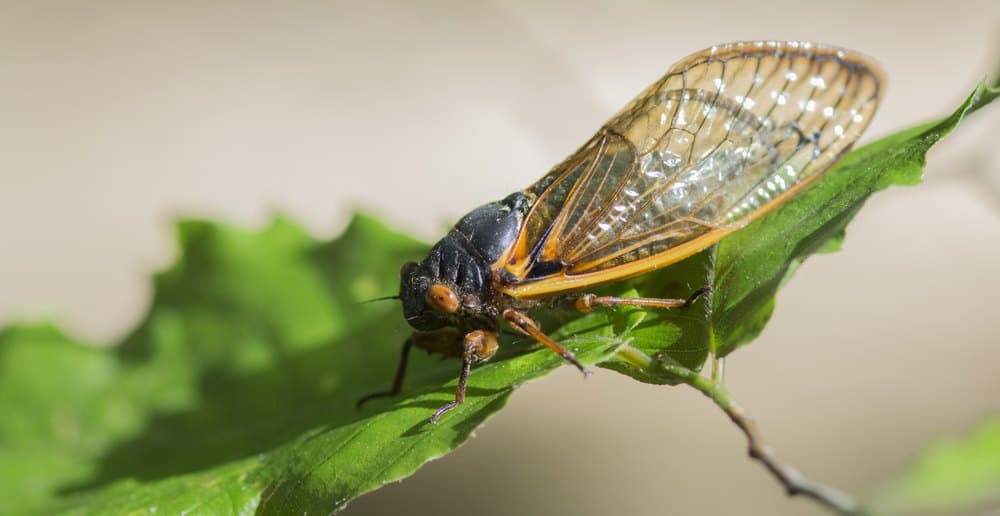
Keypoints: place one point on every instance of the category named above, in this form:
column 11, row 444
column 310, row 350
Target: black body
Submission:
column 462, row 261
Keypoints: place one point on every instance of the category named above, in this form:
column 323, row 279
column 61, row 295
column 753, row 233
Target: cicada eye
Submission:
column 442, row 299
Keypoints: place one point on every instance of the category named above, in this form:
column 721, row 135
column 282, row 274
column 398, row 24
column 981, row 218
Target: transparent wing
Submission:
column 726, row 135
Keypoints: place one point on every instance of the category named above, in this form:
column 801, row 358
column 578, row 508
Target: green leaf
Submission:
column 236, row 392
column 951, row 475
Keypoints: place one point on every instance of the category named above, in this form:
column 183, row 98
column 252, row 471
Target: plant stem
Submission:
column 795, row 483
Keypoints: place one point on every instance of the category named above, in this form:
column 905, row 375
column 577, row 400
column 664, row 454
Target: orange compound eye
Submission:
column 442, row 299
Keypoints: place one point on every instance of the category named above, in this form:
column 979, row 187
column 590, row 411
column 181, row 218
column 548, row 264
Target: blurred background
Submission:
column 116, row 117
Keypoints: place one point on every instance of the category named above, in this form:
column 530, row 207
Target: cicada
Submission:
column 727, row 135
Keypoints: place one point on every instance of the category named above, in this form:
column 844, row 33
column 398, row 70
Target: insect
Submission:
column 727, row 135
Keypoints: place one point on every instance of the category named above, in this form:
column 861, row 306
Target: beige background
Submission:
column 116, row 116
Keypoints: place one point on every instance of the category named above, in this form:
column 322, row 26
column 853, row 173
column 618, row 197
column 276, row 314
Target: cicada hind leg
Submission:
column 587, row 302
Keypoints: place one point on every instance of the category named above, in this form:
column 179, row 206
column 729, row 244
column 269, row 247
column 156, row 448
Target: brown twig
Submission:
column 795, row 483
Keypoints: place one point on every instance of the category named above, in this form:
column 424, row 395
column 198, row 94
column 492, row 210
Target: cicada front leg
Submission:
column 478, row 346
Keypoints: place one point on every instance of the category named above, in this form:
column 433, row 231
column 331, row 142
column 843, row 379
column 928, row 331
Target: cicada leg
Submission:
column 587, row 302
column 478, row 346
column 397, row 382
column 460, row 391
column 526, row 325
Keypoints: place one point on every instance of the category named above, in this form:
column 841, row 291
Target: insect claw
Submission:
column 707, row 289
column 571, row 358
column 441, row 411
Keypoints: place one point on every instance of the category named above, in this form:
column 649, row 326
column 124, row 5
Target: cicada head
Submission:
column 453, row 285
column 449, row 287
column 413, row 291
